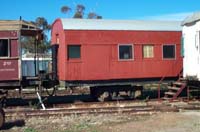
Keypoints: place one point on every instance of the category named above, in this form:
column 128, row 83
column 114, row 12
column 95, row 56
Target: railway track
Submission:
column 63, row 111
column 130, row 107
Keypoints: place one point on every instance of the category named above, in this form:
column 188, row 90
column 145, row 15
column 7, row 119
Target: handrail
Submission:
column 164, row 76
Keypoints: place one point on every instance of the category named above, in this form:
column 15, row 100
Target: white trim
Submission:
column 132, row 45
column 40, row 59
column 174, row 53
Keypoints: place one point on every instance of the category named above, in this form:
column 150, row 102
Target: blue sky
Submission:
column 109, row 9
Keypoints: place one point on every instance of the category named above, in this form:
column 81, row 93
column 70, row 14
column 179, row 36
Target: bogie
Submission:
column 105, row 93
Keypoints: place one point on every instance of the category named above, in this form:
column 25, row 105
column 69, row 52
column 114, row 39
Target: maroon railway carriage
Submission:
column 108, row 53
column 11, row 33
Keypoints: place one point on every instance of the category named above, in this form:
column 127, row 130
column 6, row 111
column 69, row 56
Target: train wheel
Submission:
column 138, row 93
column 131, row 94
column 93, row 93
column 103, row 96
column 2, row 117
column 114, row 95
column 51, row 91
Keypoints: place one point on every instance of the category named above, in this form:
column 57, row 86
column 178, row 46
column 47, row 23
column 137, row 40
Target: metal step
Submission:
column 173, row 88
column 178, row 83
column 194, row 90
column 194, row 87
column 170, row 93
column 166, row 98
column 182, row 79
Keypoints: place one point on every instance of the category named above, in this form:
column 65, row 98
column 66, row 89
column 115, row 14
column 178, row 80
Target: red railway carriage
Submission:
column 93, row 51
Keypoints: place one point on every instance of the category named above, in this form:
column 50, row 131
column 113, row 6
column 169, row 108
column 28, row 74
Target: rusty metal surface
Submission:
column 130, row 107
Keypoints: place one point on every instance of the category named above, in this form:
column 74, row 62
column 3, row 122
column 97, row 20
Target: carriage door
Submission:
column 54, row 60
column 98, row 60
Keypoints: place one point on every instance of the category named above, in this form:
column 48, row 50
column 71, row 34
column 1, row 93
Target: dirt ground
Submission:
column 161, row 122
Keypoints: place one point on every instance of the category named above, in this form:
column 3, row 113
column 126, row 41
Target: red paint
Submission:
column 99, row 54
column 9, row 66
column 14, row 48
column 8, row 34
column 9, row 69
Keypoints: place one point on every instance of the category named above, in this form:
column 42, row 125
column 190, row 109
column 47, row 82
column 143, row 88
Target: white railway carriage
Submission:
column 191, row 42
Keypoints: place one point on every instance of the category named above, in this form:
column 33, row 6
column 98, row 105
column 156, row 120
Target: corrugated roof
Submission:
column 192, row 18
column 16, row 25
column 102, row 24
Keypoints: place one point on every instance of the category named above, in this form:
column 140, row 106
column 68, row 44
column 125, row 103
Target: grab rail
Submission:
column 163, row 77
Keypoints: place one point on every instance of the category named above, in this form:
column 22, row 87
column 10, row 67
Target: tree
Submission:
column 42, row 23
column 44, row 45
column 93, row 15
column 79, row 12
column 65, row 9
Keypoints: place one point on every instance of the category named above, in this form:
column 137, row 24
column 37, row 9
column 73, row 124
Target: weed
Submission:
column 30, row 130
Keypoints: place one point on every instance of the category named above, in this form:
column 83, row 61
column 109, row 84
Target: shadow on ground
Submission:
column 11, row 124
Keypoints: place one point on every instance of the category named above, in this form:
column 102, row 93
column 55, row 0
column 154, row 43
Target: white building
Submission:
column 191, row 42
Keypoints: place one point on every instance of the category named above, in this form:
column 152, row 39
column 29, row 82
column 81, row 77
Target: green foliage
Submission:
column 93, row 15
column 30, row 130
column 82, row 127
column 78, row 15
column 79, row 12
column 65, row 9
column 42, row 23
column 28, row 43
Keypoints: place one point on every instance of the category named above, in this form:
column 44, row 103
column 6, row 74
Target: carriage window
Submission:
column 4, row 47
column 148, row 51
column 125, row 52
column 199, row 41
column 182, row 46
column 168, row 51
column 74, row 51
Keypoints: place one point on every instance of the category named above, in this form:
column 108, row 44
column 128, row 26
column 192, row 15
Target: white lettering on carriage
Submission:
column 7, row 63
column 7, row 70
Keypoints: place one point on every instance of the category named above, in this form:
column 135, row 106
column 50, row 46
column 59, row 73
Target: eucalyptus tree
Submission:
column 44, row 45
column 93, row 15
column 65, row 9
column 79, row 12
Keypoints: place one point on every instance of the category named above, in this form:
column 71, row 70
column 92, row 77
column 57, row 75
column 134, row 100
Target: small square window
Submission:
column 148, row 51
column 168, row 51
column 74, row 51
column 125, row 52
column 4, row 48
